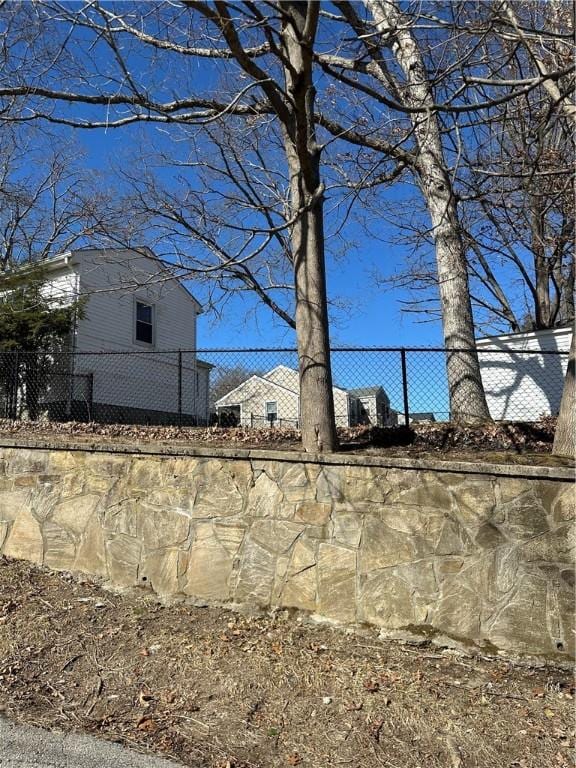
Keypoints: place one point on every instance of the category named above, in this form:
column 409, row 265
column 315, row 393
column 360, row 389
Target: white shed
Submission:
column 523, row 374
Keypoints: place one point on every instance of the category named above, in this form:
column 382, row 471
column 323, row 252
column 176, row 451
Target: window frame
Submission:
column 152, row 306
column 267, row 415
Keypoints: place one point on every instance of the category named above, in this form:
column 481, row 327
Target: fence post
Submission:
column 14, row 404
column 179, row 387
column 405, row 387
column 90, row 395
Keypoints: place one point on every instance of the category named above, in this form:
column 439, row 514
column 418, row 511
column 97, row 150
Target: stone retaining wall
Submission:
column 480, row 552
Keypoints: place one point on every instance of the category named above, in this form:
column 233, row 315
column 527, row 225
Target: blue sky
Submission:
column 372, row 317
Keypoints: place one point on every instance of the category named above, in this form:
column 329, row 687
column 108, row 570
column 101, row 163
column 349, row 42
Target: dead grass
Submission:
column 215, row 689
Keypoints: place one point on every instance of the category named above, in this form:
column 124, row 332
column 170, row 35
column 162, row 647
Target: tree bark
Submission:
column 294, row 107
column 564, row 439
column 306, row 198
column 467, row 398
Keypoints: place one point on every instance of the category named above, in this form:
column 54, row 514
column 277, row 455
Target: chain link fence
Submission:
column 259, row 387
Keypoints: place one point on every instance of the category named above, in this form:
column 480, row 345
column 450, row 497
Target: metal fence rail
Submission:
column 383, row 386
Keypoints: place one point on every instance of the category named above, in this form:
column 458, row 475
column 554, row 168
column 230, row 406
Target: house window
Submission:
column 144, row 322
column 271, row 411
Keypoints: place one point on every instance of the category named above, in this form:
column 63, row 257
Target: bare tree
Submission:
column 284, row 81
column 432, row 111
column 391, row 69
column 565, row 437
column 46, row 203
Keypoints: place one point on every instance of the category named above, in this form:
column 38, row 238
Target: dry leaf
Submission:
column 144, row 699
column 147, row 724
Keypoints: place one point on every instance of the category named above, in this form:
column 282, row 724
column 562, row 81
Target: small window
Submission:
column 271, row 411
column 144, row 322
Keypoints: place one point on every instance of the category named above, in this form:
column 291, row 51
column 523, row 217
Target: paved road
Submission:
column 22, row 746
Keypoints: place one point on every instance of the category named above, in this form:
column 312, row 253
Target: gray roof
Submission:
column 365, row 391
column 426, row 416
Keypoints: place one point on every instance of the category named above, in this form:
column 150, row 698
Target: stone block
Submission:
column 256, row 575
column 448, row 565
column 25, row 539
column 298, row 482
column 563, row 506
column 12, row 503
column 303, row 557
column 74, row 514
column 60, row 462
column 300, row 590
column 158, row 528
column 388, row 601
column 160, row 569
column 474, row 501
column 489, row 536
column 211, row 561
column 59, row 547
column 123, row 559
column 216, row 491
column 558, row 546
column 276, row 536
column 336, row 582
column 91, row 552
column 420, row 578
column 382, row 546
column 265, row 498
column 427, row 493
column 520, row 625
column 457, row 611
column 454, row 539
column 122, row 516
column 347, row 528
column 313, row 512
column 524, row 518
column 330, row 484
column 25, row 481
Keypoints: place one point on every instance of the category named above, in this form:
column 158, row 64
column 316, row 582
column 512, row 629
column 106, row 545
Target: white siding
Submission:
column 524, row 387
column 254, row 393
column 113, row 281
column 62, row 286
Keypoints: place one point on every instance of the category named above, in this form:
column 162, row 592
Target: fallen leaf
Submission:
column 144, row 699
column 147, row 724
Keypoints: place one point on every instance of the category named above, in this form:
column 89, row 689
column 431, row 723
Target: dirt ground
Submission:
column 215, row 689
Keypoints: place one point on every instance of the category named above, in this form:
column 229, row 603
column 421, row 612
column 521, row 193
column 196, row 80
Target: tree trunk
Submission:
column 316, row 394
column 541, row 269
column 306, row 199
column 467, row 398
column 564, row 438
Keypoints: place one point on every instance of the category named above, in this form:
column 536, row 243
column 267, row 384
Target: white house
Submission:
column 524, row 379
column 274, row 398
column 372, row 406
column 134, row 306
